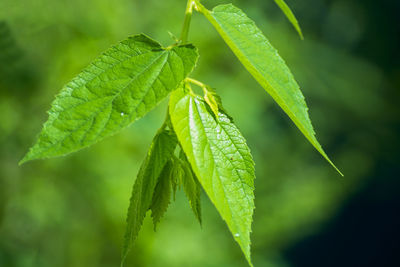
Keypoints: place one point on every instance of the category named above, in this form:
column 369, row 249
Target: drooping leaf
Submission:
column 176, row 175
column 289, row 14
column 162, row 194
column 160, row 152
column 191, row 187
column 263, row 62
column 220, row 159
column 119, row 87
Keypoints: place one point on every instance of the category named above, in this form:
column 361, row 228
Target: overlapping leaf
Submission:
column 160, row 152
column 162, row 194
column 262, row 60
column 119, row 87
column 220, row 159
column 191, row 187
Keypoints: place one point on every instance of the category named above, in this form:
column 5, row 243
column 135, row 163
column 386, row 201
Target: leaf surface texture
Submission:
column 263, row 62
column 119, row 87
column 220, row 159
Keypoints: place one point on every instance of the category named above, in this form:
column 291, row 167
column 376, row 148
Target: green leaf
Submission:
column 119, row 87
column 213, row 100
column 289, row 14
column 263, row 62
column 221, row 160
column 191, row 187
column 162, row 194
column 160, row 152
column 176, row 175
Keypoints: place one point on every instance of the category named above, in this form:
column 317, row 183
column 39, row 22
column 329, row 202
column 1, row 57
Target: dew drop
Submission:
column 237, row 235
column 122, row 114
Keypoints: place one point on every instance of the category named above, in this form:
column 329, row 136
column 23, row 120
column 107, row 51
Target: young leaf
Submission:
column 221, row 160
column 289, row 14
column 191, row 187
column 119, row 87
column 213, row 100
column 162, row 194
column 161, row 150
column 263, row 62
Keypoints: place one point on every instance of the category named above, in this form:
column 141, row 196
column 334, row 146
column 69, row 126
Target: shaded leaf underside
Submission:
column 191, row 187
column 160, row 152
column 162, row 194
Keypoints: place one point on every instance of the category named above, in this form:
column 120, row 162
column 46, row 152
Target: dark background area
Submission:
column 70, row 211
column 365, row 231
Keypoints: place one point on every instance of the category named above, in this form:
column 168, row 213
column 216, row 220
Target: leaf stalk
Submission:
column 186, row 21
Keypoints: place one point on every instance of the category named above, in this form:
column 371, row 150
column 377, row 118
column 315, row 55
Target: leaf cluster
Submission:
column 198, row 146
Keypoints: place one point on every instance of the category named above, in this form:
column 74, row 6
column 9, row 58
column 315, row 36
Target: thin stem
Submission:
column 196, row 82
column 186, row 22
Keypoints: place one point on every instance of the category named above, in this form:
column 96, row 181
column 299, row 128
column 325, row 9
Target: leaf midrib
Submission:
column 260, row 78
column 106, row 104
column 216, row 169
column 243, row 58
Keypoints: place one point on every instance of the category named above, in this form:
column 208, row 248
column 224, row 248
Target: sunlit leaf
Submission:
column 119, row 87
column 263, row 62
column 213, row 100
column 220, row 159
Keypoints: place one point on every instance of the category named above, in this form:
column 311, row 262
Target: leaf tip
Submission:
column 124, row 254
column 32, row 154
column 122, row 261
column 248, row 258
column 22, row 161
column 332, row 164
column 25, row 159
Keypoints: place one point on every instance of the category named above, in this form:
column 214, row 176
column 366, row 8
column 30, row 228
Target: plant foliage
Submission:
column 198, row 146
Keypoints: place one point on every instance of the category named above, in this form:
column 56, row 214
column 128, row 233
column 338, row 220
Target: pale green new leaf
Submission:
column 191, row 187
column 220, row 159
column 160, row 152
column 119, row 87
column 289, row 14
column 263, row 62
column 213, row 100
column 162, row 194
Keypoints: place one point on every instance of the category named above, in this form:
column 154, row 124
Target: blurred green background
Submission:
column 70, row 211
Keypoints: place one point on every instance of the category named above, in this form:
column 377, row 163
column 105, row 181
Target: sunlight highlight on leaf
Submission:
column 119, row 87
column 263, row 62
column 220, row 159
